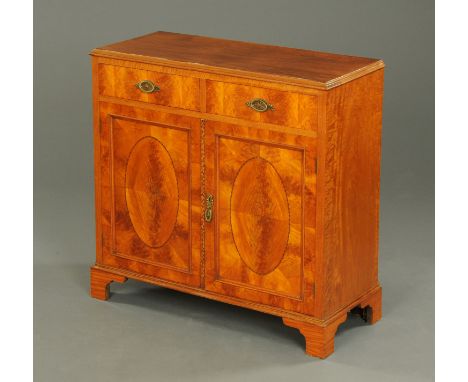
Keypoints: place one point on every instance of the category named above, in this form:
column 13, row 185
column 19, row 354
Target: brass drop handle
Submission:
column 209, row 207
column 260, row 105
column 147, row 86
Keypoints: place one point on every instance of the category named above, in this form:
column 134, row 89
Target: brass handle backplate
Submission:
column 147, row 86
column 209, row 207
column 260, row 105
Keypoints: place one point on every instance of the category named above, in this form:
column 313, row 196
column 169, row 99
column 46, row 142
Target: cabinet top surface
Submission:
column 306, row 67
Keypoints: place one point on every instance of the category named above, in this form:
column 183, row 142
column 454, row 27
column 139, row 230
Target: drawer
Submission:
column 262, row 105
column 169, row 89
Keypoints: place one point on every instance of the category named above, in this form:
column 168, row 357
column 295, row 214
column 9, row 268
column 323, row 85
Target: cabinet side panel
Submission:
column 97, row 158
column 350, row 183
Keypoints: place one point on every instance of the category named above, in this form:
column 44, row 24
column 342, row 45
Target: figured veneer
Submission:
column 260, row 219
column 152, row 193
column 283, row 179
column 349, row 220
column 288, row 108
column 173, row 90
column 238, row 58
column 243, row 173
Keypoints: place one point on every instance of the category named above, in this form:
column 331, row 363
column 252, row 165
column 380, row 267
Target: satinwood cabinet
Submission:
column 240, row 172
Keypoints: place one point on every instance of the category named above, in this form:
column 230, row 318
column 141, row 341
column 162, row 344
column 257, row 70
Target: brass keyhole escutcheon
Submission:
column 209, row 208
column 260, row 105
column 147, row 86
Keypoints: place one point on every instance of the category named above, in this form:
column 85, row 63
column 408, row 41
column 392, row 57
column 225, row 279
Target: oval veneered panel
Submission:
column 259, row 215
column 151, row 192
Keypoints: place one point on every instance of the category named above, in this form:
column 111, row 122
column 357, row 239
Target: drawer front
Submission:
column 170, row 90
column 266, row 105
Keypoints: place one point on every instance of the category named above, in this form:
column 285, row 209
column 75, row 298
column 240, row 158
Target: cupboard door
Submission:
column 260, row 243
column 150, row 192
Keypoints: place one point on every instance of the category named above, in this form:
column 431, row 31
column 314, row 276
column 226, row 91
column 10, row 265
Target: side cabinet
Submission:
column 243, row 173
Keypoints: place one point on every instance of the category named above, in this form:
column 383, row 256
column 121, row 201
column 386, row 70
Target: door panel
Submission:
column 261, row 241
column 151, row 192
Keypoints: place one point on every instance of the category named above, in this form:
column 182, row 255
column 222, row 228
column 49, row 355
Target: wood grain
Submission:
column 320, row 340
column 319, row 69
column 259, row 215
column 213, row 117
column 145, row 187
column 165, row 68
column 100, row 283
column 203, row 292
column 257, row 211
column 151, row 191
column 290, row 108
column 296, row 189
column 175, row 90
column 349, row 156
column 97, row 157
